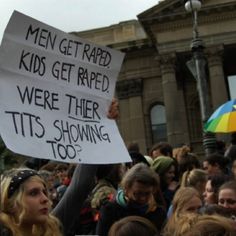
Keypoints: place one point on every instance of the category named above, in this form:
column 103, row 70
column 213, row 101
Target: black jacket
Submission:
column 113, row 212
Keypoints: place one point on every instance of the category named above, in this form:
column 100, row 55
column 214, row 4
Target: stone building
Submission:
column 157, row 93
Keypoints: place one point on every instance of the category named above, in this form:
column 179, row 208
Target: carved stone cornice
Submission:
column 206, row 16
column 129, row 88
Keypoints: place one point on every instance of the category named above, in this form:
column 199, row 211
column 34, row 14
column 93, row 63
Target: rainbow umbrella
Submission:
column 223, row 120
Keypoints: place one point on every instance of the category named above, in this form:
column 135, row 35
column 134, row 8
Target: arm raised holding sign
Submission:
column 82, row 183
column 25, row 205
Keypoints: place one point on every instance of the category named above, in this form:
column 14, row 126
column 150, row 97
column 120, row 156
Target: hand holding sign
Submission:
column 55, row 92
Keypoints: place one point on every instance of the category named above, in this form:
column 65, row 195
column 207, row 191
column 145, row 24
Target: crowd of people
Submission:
column 167, row 192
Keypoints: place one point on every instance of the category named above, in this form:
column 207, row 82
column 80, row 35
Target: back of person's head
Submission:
column 164, row 148
column 188, row 162
column 193, row 178
column 181, row 151
column 136, row 158
column 140, row 173
column 207, row 225
column 133, row 225
column 212, row 209
column 217, row 159
column 110, row 172
column 50, row 166
column 133, row 147
column 62, row 167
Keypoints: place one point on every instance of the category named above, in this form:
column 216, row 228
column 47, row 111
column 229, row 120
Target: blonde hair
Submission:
column 204, row 225
column 193, row 178
column 12, row 219
column 181, row 198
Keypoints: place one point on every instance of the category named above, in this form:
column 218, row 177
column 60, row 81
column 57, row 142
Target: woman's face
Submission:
column 227, row 198
column 140, row 193
column 36, row 202
column 170, row 174
column 211, row 169
column 62, row 175
column 193, row 205
column 209, row 195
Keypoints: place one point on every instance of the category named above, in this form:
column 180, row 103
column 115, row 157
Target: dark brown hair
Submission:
column 133, row 225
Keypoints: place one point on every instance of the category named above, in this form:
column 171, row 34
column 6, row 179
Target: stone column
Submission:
column 131, row 122
column 217, row 80
column 176, row 118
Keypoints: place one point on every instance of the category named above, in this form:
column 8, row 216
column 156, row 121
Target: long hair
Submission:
column 181, row 198
column 13, row 208
column 191, row 224
column 193, row 178
column 206, row 225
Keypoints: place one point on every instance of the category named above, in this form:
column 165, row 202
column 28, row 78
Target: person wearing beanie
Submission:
column 165, row 167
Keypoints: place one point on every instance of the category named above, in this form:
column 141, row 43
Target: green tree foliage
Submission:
column 8, row 158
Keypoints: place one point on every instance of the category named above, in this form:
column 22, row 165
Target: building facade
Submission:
column 157, row 93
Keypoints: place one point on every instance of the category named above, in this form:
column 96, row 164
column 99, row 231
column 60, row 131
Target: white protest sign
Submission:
column 55, row 90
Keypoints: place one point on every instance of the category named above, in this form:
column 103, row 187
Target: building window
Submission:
column 232, row 86
column 158, row 122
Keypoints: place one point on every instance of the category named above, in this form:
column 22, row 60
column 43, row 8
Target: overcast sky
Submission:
column 79, row 15
column 75, row 15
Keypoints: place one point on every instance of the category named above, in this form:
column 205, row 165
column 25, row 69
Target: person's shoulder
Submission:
column 112, row 206
column 104, row 195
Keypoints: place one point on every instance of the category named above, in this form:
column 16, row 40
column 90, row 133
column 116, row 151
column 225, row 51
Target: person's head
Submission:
column 227, row 195
column 61, row 171
column 195, row 178
column 133, row 147
column 213, row 209
column 140, row 183
column 161, row 149
column 24, row 201
column 48, row 178
column 215, row 164
column 204, row 225
column 213, row 184
column 136, row 158
column 180, row 152
column 165, row 167
column 133, row 225
column 186, row 199
column 188, row 162
column 110, row 172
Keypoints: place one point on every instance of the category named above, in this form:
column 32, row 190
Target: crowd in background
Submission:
column 168, row 191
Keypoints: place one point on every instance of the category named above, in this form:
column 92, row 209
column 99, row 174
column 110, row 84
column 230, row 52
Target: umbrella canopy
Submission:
column 223, row 120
